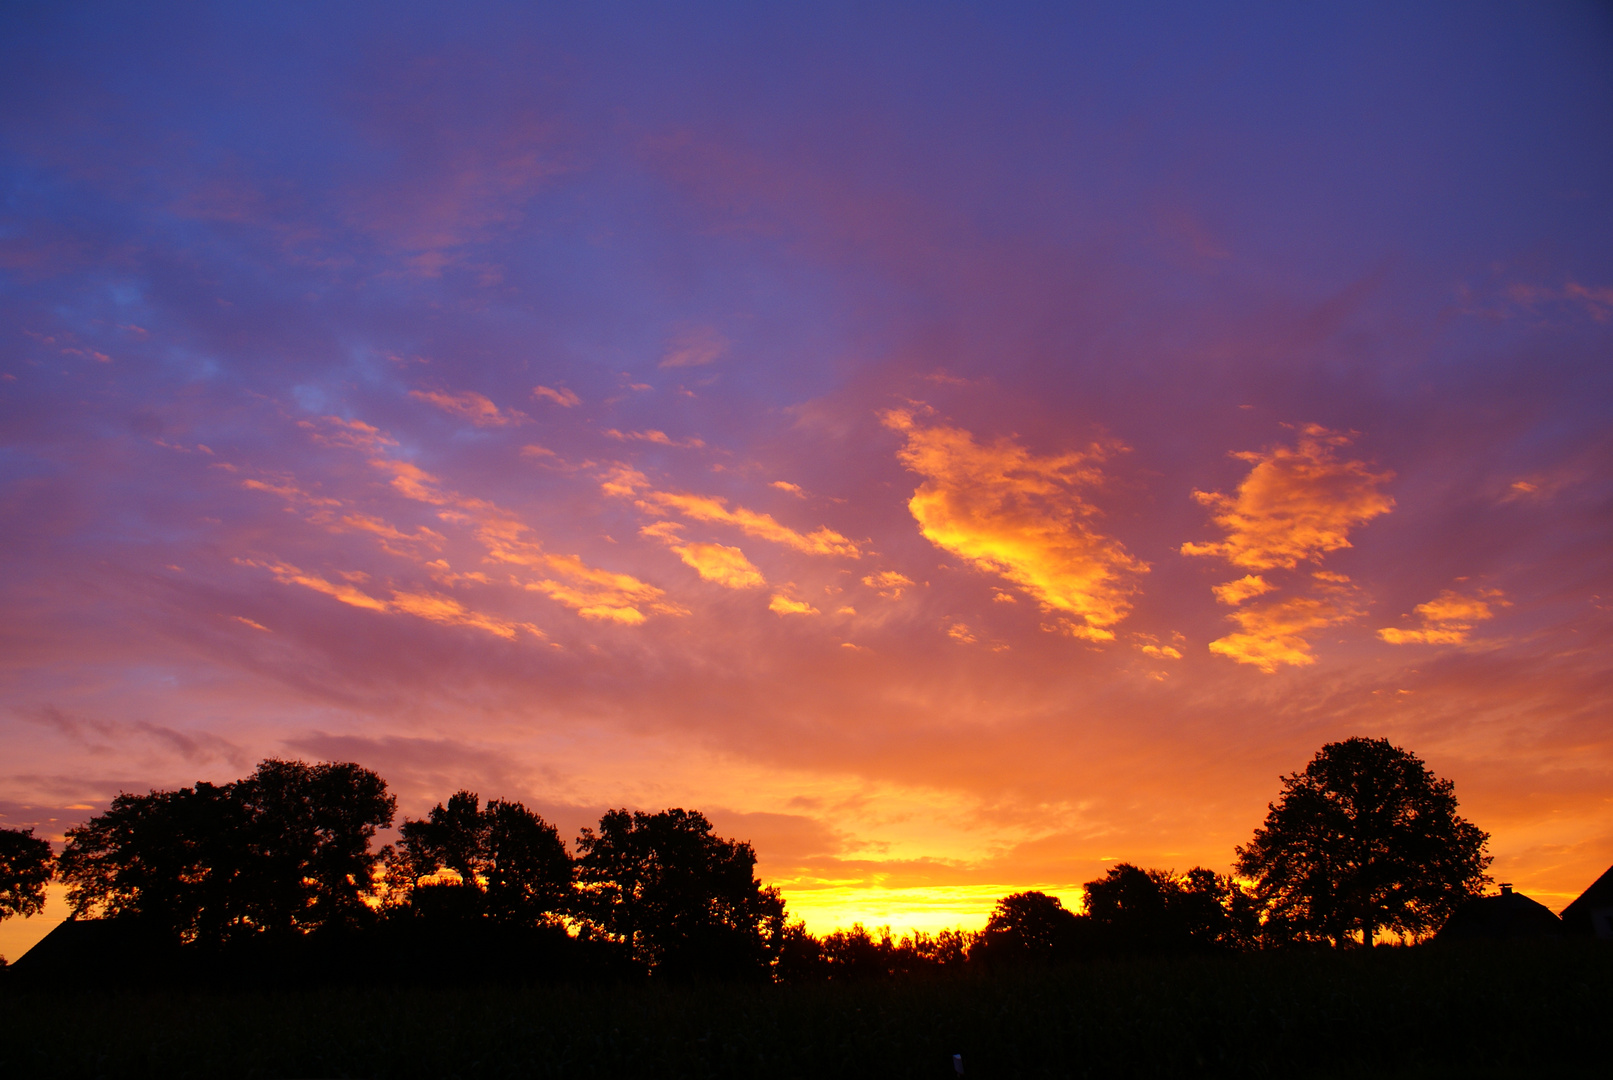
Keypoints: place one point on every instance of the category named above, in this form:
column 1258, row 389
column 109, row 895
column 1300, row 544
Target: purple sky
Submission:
column 955, row 447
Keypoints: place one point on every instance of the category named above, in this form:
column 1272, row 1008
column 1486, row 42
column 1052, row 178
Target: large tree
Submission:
column 25, row 869
column 511, row 864
column 286, row 849
column 1365, row 838
column 679, row 898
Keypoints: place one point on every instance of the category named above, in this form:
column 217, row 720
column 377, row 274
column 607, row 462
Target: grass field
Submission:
column 1526, row 1009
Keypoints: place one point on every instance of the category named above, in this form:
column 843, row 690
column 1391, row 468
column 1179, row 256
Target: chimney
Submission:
column 1506, row 888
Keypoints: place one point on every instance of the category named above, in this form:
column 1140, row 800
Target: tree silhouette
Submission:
column 25, row 869
column 680, row 899
column 165, row 859
column 1365, row 838
column 308, row 833
column 1028, row 927
column 452, row 837
column 283, row 850
column 1137, row 910
column 512, row 865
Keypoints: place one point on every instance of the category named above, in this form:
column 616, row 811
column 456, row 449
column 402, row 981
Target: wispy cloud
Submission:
column 888, row 583
column 695, row 347
column 392, row 539
column 469, row 405
column 719, row 563
column 450, row 612
column 623, row 482
column 590, row 591
column 566, row 399
column 660, row 438
column 1021, row 516
column 1447, row 619
column 287, row 574
column 347, row 434
column 823, row 541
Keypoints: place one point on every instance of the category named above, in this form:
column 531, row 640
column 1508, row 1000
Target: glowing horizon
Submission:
column 955, row 451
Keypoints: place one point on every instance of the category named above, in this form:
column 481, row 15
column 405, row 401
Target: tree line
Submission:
column 1364, row 839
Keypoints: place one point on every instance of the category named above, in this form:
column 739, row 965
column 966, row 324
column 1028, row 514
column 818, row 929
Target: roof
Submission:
column 87, row 949
column 1507, row 915
column 1592, row 913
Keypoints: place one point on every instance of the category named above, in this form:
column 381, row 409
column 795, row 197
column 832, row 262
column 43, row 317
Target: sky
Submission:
column 956, row 447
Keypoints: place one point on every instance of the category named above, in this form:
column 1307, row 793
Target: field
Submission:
column 1492, row 1010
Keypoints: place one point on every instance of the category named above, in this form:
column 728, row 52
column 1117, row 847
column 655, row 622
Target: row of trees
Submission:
column 1364, row 839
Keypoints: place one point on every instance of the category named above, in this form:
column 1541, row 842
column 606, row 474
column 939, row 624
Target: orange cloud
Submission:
column 447, row 610
column 469, row 405
column 793, row 489
column 783, row 605
column 722, row 564
column 289, row 491
column 389, row 534
column 436, row 608
column 888, row 583
column 654, row 436
column 562, row 397
column 348, row 434
column 592, row 592
column 1245, row 588
column 1296, row 504
column 622, row 481
column 1447, row 619
column 1020, row 516
column 287, row 574
column 1274, row 635
column 727, row 566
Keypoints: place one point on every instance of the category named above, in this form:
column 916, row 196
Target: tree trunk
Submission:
column 1366, row 933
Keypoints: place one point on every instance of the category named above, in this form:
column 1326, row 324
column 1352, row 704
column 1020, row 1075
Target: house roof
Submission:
column 1592, row 913
column 1507, row 915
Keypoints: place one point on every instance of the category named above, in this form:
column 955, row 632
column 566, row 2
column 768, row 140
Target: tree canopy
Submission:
column 508, row 859
column 25, row 870
column 679, row 898
column 1028, row 927
column 1365, row 838
column 285, row 849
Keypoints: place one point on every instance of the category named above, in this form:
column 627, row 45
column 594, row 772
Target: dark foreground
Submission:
column 1483, row 1010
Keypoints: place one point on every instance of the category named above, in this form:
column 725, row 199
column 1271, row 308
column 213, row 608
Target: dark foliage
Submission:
column 25, row 869
column 1365, row 838
column 1503, row 1010
column 511, row 864
column 856, row 955
column 1152, row 911
column 271, row 881
column 285, row 850
column 679, row 900
column 1030, row 928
